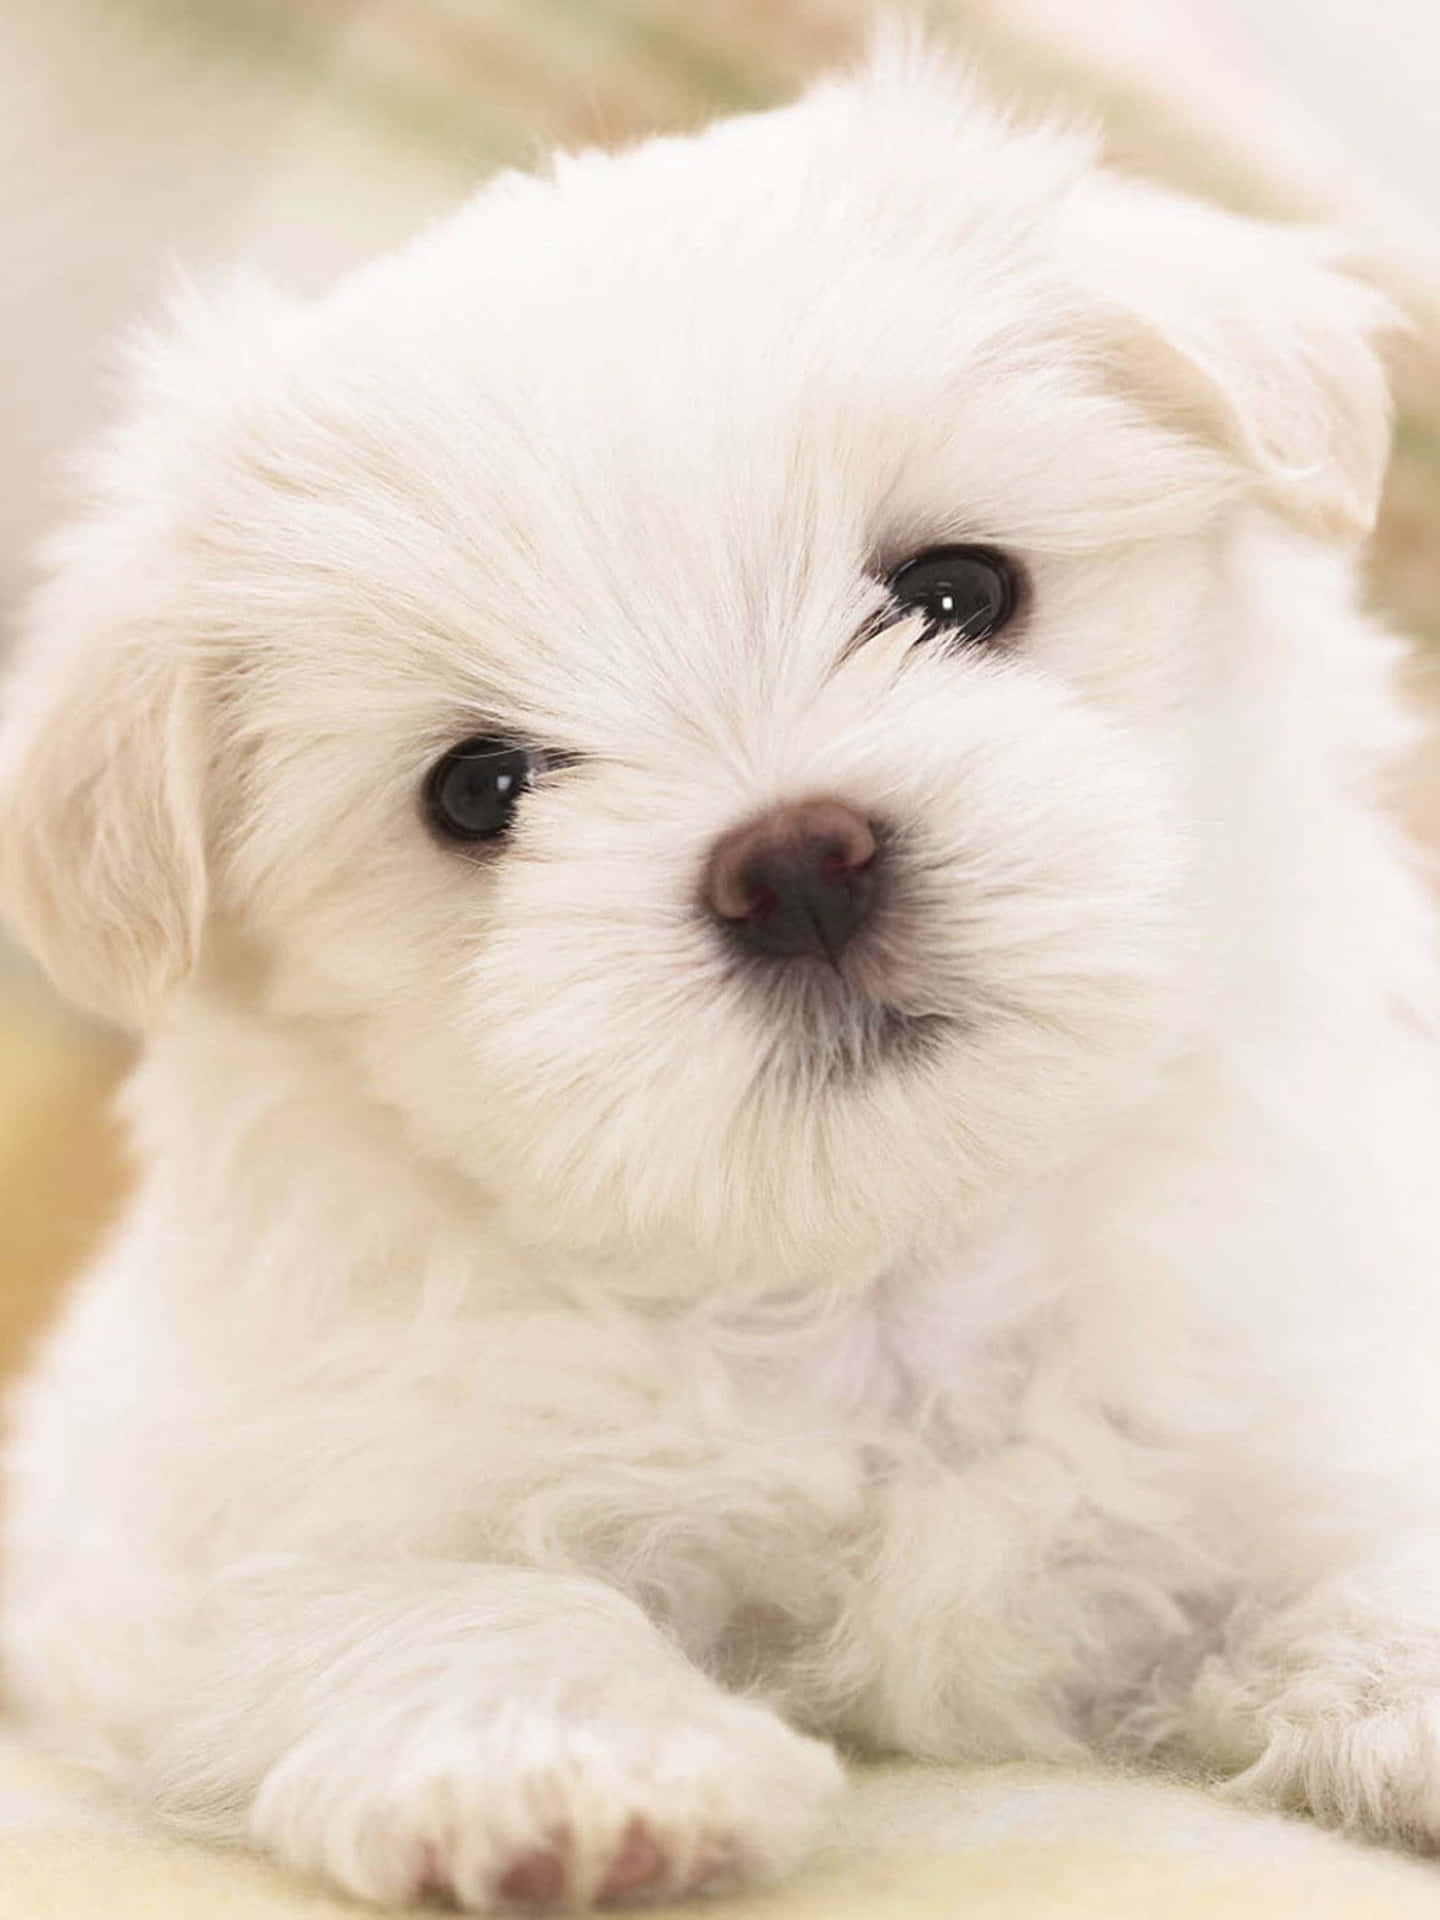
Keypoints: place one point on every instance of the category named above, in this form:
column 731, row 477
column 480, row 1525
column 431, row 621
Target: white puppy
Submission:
column 790, row 1095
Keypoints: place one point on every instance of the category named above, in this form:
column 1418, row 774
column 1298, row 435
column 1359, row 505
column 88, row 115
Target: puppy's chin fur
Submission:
column 540, row 1318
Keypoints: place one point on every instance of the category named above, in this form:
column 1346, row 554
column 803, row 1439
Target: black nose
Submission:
column 800, row 880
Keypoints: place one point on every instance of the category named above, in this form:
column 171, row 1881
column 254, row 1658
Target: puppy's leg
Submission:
column 498, row 1736
column 1331, row 1703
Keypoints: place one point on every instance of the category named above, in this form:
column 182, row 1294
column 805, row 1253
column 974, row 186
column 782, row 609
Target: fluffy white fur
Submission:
column 551, row 1383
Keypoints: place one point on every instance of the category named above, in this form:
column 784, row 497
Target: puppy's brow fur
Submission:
column 534, row 1322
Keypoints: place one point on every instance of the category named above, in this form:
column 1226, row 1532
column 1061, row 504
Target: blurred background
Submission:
column 303, row 135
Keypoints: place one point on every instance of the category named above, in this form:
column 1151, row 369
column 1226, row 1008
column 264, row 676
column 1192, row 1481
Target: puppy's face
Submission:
column 684, row 676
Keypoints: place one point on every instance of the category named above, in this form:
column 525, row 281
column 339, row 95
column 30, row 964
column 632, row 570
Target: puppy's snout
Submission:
column 799, row 880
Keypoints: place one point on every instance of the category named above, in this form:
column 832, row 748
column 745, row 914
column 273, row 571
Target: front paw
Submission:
column 567, row 1805
column 1331, row 1706
column 1373, row 1772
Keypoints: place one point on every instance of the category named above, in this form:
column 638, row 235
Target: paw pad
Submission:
column 637, row 1866
column 536, row 1879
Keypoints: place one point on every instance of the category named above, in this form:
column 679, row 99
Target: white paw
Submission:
column 1332, row 1705
column 537, row 1807
column 1373, row 1773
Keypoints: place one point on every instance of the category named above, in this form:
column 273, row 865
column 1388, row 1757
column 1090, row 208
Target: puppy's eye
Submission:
column 471, row 793
column 965, row 592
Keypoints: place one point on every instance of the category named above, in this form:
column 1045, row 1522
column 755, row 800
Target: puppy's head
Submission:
column 682, row 674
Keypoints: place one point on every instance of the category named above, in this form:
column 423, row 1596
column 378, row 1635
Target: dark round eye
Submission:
column 472, row 792
column 967, row 592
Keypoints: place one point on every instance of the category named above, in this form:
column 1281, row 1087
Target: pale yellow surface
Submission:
column 1015, row 1843
column 60, row 1172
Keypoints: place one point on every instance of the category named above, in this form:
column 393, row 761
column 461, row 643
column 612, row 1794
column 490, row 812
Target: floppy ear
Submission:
column 1246, row 333
column 103, row 756
column 102, row 866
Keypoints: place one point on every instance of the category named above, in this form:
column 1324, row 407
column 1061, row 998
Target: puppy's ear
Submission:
column 1246, row 333
column 102, row 867
column 102, row 754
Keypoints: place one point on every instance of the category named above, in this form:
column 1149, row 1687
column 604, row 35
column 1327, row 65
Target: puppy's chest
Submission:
column 745, row 1460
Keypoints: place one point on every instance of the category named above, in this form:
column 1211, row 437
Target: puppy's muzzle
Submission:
column 798, row 881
